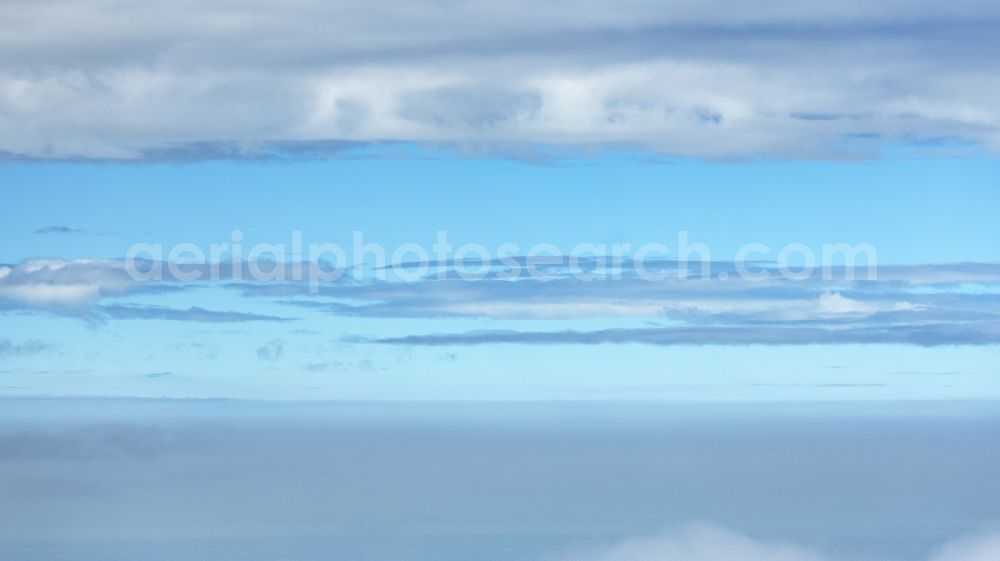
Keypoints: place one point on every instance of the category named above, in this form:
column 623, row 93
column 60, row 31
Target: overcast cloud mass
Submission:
column 113, row 79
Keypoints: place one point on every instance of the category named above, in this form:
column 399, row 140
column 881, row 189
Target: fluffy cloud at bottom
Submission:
column 708, row 542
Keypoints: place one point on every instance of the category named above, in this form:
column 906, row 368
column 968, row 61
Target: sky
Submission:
column 665, row 280
column 76, row 323
column 827, row 170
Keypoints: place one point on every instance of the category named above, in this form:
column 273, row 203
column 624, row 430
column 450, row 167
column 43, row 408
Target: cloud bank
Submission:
column 185, row 80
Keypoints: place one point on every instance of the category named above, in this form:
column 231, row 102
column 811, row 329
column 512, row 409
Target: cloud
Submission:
column 57, row 284
column 66, row 230
column 919, row 305
column 927, row 305
column 982, row 547
column 703, row 542
column 194, row 313
column 25, row 348
column 314, row 79
column 699, row 543
column 272, row 350
column 76, row 288
column 60, row 230
column 717, row 291
column 921, row 335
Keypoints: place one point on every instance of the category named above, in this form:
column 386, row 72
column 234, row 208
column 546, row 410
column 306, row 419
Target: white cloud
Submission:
column 51, row 294
column 61, row 284
column 983, row 547
column 832, row 303
column 699, row 543
column 789, row 79
column 713, row 543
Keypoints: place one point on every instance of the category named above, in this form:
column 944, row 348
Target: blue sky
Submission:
column 914, row 211
column 926, row 217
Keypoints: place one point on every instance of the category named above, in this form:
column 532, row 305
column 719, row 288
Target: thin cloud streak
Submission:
column 923, row 336
column 193, row 314
column 29, row 347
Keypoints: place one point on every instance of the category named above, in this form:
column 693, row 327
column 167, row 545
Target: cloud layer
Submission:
column 113, row 79
column 925, row 305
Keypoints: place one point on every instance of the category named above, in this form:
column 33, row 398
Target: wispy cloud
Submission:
column 77, row 288
column 194, row 313
column 927, row 305
column 931, row 335
column 919, row 305
column 59, row 230
column 272, row 350
column 66, row 230
column 28, row 347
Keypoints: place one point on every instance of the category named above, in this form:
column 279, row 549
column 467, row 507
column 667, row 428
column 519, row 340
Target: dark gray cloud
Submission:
column 208, row 80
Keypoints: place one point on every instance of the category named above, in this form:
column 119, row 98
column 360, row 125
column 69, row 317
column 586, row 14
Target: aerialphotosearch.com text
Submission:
column 362, row 259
